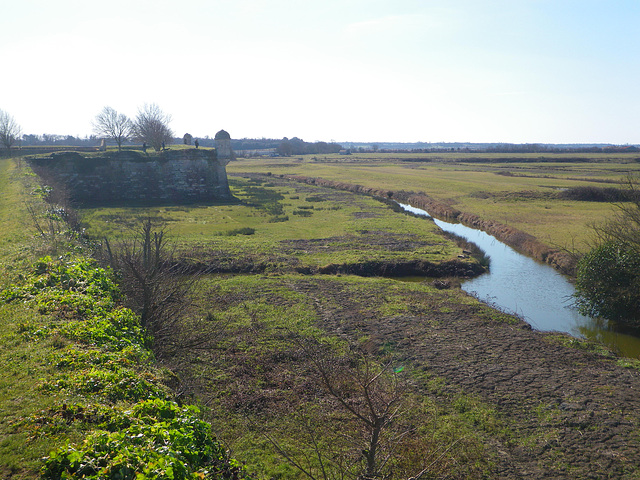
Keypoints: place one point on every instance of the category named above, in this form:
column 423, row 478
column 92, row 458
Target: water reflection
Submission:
column 608, row 333
column 534, row 291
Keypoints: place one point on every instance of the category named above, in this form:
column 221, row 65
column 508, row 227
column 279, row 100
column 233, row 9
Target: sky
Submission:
column 516, row 71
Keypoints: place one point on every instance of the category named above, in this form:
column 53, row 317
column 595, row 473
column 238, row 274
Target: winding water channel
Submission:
column 534, row 291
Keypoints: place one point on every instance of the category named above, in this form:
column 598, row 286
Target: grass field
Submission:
column 246, row 365
column 521, row 192
column 285, row 223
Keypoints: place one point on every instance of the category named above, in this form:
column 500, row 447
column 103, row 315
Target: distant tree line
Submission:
column 255, row 144
column 544, row 148
column 30, row 140
column 297, row 146
column 151, row 126
column 505, row 148
column 284, row 147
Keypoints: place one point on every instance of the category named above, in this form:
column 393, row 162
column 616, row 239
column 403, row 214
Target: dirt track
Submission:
column 575, row 413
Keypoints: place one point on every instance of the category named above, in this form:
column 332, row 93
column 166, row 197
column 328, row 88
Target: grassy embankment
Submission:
column 519, row 190
column 24, row 363
column 80, row 385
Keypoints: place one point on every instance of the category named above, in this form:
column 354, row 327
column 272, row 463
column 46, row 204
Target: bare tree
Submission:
column 371, row 426
column 152, row 126
column 114, row 125
column 155, row 285
column 374, row 396
column 371, row 437
column 160, row 288
column 9, row 129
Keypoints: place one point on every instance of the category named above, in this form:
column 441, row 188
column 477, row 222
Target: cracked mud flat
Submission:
column 575, row 414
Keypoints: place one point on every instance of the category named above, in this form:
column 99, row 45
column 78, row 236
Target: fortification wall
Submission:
column 174, row 176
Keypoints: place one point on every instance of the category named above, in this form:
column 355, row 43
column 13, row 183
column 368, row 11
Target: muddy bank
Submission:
column 406, row 269
column 549, row 411
column 519, row 240
column 416, row 268
column 570, row 413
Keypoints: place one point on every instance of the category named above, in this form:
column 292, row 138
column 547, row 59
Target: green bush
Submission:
column 596, row 194
column 71, row 288
column 113, row 384
column 284, row 218
column 156, row 439
column 608, row 283
column 116, row 330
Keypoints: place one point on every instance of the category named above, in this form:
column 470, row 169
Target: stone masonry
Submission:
column 129, row 177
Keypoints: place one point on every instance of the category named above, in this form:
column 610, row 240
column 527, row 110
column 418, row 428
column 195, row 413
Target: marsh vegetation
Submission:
column 310, row 360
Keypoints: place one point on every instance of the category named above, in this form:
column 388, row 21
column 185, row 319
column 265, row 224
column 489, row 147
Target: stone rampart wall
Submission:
column 174, row 176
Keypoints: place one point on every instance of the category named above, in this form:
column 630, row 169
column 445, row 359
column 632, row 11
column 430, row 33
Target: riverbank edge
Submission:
column 563, row 261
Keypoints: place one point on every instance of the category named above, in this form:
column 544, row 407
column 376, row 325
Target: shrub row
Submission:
column 597, row 194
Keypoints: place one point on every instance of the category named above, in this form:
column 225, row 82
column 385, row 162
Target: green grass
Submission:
column 24, row 363
column 520, row 193
column 16, row 243
column 251, row 376
column 336, row 228
column 80, row 394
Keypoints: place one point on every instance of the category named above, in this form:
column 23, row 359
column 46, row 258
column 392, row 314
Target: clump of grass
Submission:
column 632, row 363
column 279, row 219
column 241, row 231
column 580, row 344
column 302, row 213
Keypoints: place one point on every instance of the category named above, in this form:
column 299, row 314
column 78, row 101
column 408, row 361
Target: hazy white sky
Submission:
column 552, row 71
